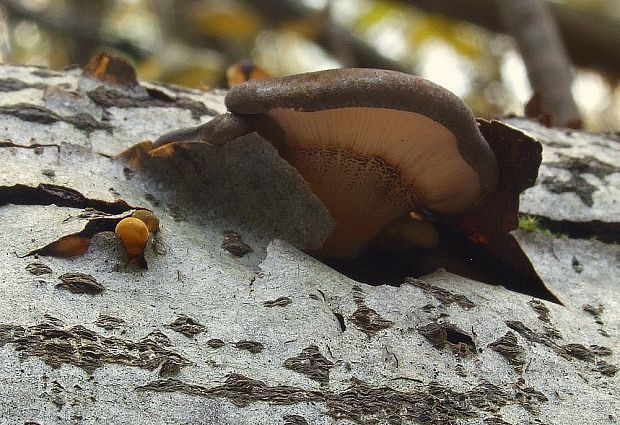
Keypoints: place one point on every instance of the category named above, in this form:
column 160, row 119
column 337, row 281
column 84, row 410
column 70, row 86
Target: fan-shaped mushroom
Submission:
column 373, row 145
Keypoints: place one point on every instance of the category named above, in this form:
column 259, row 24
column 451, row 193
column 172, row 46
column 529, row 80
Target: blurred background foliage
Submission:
column 458, row 44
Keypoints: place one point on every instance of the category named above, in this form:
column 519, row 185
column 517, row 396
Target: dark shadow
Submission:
column 501, row 263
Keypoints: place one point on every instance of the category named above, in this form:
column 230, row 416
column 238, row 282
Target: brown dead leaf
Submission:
column 243, row 71
column 111, row 69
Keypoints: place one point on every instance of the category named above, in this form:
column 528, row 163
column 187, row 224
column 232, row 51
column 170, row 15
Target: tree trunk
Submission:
column 214, row 333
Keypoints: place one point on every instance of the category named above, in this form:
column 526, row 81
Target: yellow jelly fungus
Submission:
column 134, row 234
column 149, row 218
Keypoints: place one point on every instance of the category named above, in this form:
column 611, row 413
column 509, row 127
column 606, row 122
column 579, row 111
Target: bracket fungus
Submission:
column 373, row 145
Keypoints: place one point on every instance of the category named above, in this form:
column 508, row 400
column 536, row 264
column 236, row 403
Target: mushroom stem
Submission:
column 409, row 232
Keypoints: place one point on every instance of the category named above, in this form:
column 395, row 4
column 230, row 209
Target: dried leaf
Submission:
column 111, row 69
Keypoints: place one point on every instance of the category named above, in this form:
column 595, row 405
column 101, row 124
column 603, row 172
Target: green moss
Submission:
column 531, row 223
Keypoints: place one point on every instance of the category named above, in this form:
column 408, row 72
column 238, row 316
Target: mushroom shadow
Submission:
column 501, row 263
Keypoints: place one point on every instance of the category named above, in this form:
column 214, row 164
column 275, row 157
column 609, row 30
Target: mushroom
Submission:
column 149, row 218
column 373, row 145
column 134, row 234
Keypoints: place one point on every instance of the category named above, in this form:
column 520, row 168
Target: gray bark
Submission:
column 275, row 336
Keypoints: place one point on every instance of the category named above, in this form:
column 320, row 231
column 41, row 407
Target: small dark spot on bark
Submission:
column 86, row 123
column 540, row 308
column 341, row 321
column 151, row 198
column 294, row 420
column 51, row 320
column 434, row 333
column 605, row 368
column 253, row 347
column 37, row 268
column 169, row 368
column 10, row 333
column 311, row 363
column 159, row 94
column 278, row 302
column 495, row 420
column 31, row 113
column 428, row 308
column 215, row 343
column 80, row 283
column 551, row 332
column 576, row 265
column 594, row 311
column 158, row 337
column 600, row 350
column 460, row 370
column 442, row 295
column 232, row 243
column 578, row 351
column 128, row 173
column 109, row 322
column 440, row 335
column 508, row 347
column 526, row 332
column 358, row 295
column 186, row 326
column 48, row 172
column 55, row 395
column 368, row 320
column 175, row 212
column 528, row 397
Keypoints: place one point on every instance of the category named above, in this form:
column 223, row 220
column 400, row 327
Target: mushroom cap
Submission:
column 149, row 218
column 134, row 234
column 398, row 142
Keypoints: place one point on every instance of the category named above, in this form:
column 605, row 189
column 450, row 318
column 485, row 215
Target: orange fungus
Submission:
column 134, row 234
